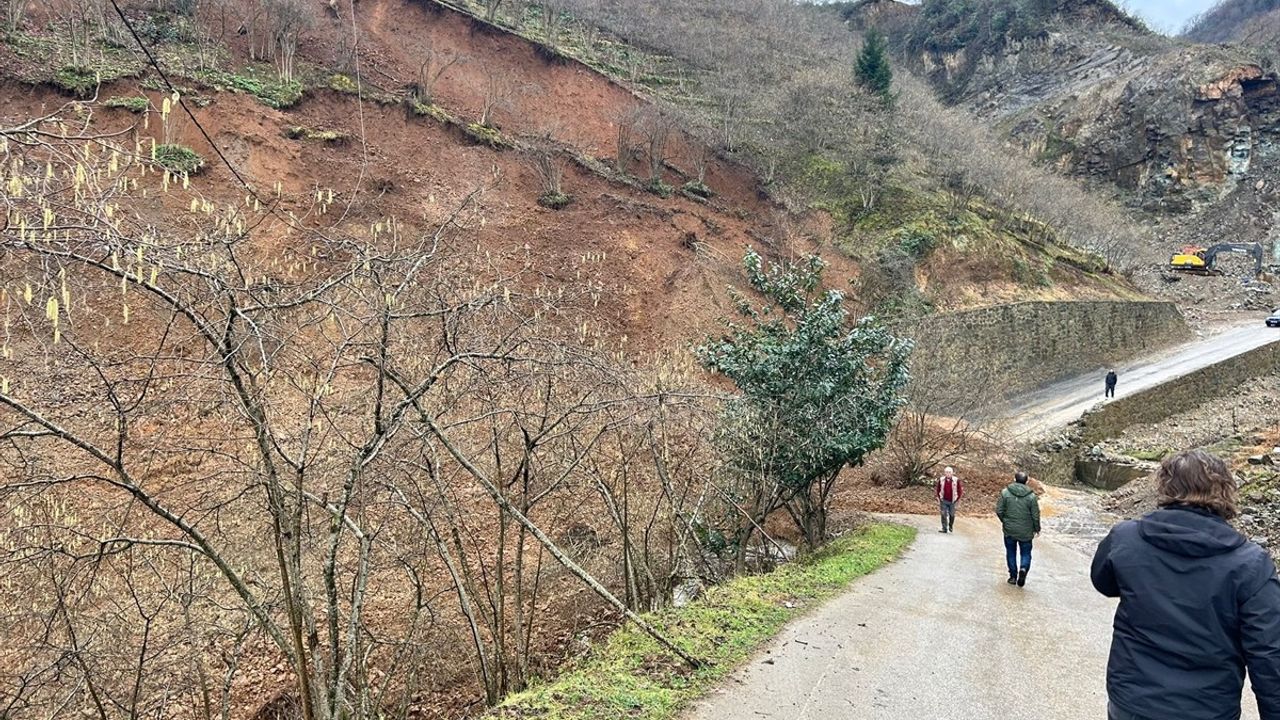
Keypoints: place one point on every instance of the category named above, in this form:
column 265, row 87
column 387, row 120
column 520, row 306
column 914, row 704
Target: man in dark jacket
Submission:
column 1112, row 379
column 1198, row 603
column 1019, row 511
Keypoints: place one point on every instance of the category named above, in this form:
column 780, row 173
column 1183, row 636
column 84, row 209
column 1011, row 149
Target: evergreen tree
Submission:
column 873, row 71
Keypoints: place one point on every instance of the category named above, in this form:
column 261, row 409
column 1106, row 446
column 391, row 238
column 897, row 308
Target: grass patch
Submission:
column 658, row 187
column 79, row 81
column 433, row 111
column 485, row 135
column 343, row 84
column 632, row 677
column 179, row 159
column 555, row 201
column 139, row 104
column 298, row 132
column 699, row 189
column 272, row 92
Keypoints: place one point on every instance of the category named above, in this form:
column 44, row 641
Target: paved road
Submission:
column 1039, row 413
column 939, row 635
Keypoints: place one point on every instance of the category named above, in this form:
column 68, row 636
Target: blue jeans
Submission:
column 1011, row 548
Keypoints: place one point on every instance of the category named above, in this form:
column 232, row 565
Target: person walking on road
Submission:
column 1019, row 511
column 1112, row 379
column 949, row 490
column 1198, row 603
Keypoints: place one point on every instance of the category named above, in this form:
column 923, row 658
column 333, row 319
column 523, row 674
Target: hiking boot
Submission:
column 1022, row 578
column 942, row 530
column 1013, row 580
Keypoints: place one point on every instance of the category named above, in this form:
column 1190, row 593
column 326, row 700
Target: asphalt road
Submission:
column 939, row 635
column 1052, row 407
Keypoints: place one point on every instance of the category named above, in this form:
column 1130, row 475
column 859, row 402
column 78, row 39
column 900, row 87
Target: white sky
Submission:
column 1167, row 15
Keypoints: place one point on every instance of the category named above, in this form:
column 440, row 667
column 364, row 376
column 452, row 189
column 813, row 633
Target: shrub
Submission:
column 179, row 159
column 78, row 80
column 343, row 84
column 697, row 188
column 138, row 104
column 817, row 393
column 916, row 242
column 659, row 188
column 273, row 93
column 555, row 201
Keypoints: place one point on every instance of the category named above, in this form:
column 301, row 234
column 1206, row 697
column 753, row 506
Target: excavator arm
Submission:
column 1254, row 249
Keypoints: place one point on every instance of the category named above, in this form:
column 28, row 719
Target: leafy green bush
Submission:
column 179, row 159
column 138, row 104
column 817, row 392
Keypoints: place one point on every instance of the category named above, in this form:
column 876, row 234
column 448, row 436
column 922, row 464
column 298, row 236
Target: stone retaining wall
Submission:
column 1025, row 345
column 1177, row 396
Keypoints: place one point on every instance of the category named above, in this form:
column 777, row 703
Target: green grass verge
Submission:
column 632, row 677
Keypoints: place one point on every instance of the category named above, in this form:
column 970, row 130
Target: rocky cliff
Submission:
column 1187, row 132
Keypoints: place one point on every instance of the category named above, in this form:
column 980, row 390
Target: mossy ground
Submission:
column 298, row 132
column 134, row 104
column 632, row 677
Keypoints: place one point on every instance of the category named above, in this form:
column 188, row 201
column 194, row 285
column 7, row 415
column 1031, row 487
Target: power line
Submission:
column 271, row 206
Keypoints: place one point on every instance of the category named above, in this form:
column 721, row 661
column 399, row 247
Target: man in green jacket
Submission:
column 1019, row 513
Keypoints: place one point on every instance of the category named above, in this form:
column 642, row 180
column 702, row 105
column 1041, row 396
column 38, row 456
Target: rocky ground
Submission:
column 1253, row 453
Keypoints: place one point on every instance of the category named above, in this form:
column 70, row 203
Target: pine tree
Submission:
column 873, row 71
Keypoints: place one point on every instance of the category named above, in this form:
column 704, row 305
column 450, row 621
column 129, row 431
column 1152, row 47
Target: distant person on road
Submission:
column 949, row 490
column 1198, row 603
column 1019, row 511
column 1112, row 378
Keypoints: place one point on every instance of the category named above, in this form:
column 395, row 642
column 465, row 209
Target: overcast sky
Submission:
column 1168, row 15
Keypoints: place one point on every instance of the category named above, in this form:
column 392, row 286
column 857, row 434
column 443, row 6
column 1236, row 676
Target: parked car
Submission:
column 1274, row 320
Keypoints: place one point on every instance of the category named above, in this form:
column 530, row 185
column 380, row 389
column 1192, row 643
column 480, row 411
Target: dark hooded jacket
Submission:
column 1198, row 604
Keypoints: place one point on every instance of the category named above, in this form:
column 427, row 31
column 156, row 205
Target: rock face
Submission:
column 1179, row 127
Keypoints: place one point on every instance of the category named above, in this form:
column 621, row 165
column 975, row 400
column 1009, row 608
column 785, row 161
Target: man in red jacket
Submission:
column 949, row 490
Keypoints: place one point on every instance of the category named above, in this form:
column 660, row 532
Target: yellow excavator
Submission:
column 1203, row 261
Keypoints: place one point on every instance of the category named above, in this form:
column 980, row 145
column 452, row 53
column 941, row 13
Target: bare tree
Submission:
column 552, row 13
column 499, row 94
column 256, row 440
column 435, row 63
column 15, row 11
